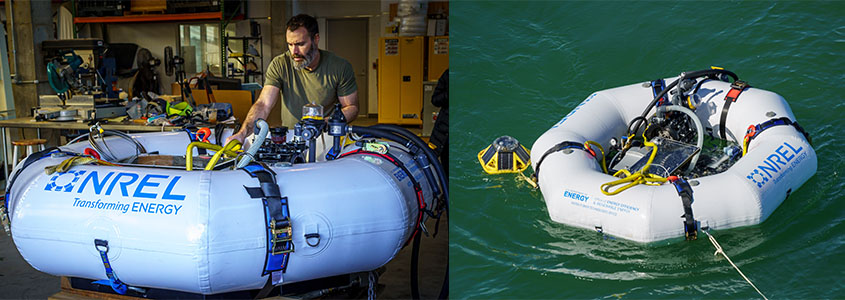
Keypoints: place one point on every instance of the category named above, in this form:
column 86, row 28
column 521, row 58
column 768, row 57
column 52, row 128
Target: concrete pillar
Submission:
column 26, row 95
column 42, row 30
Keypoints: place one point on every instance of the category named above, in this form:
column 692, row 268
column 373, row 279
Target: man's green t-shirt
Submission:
column 332, row 78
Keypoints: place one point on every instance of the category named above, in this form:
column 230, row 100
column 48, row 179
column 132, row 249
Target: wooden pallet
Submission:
column 70, row 293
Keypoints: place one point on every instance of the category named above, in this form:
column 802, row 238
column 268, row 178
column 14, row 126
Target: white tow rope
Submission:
column 531, row 182
column 720, row 250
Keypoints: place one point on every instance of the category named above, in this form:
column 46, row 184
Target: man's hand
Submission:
column 259, row 110
column 240, row 136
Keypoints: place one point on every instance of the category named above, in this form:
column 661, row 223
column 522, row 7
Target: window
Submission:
column 200, row 47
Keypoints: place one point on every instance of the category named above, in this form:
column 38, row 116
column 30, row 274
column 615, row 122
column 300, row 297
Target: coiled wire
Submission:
column 109, row 155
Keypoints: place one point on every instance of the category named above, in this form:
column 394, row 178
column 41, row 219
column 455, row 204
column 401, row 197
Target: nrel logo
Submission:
column 575, row 195
column 130, row 184
column 777, row 164
column 66, row 183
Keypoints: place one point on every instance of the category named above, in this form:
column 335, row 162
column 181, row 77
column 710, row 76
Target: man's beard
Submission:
column 308, row 58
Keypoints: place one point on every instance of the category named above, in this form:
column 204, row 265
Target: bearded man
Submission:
column 302, row 75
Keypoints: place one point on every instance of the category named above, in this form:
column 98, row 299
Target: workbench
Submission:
column 73, row 125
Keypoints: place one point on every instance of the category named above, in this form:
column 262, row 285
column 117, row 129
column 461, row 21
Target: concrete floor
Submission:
column 18, row 280
column 434, row 255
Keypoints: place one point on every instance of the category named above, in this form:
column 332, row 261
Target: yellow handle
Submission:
column 189, row 154
column 634, row 179
column 230, row 149
column 75, row 161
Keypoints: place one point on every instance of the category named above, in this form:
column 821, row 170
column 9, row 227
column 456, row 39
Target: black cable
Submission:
column 114, row 132
column 558, row 147
column 617, row 158
column 379, row 131
column 684, row 75
column 709, row 72
column 652, row 103
column 382, row 133
column 444, row 289
column 444, row 180
column 218, row 133
column 422, row 145
column 379, row 134
column 415, row 257
column 698, row 86
column 634, row 120
column 139, row 148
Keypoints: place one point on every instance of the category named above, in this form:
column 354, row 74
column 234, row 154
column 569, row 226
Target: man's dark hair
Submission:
column 303, row 20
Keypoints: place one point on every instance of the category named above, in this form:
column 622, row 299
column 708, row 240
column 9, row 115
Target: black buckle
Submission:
column 739, row 84
column 691, row 232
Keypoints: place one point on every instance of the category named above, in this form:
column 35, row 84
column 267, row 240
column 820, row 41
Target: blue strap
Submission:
column 276, row 216
column 769, row 124
column 759, row 128
column 115, row 283
column 657, row 86
column 279, row 242
column 253, row 169
column 191, row 135
column 331, row 155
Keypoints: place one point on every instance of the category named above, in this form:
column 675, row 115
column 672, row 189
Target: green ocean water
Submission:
column 519, row 67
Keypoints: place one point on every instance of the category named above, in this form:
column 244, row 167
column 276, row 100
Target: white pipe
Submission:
column 294, row 8
column 699, row 129
column 263, row 129
column 14, row 47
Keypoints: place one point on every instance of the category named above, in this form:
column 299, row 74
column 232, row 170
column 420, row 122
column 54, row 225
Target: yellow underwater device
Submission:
column 504, row 155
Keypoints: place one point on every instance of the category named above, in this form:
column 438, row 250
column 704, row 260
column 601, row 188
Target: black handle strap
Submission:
column 736, row 88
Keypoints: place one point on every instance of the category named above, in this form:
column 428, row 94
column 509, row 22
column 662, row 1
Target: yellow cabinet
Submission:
column 400, row 77
column 438, row 56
